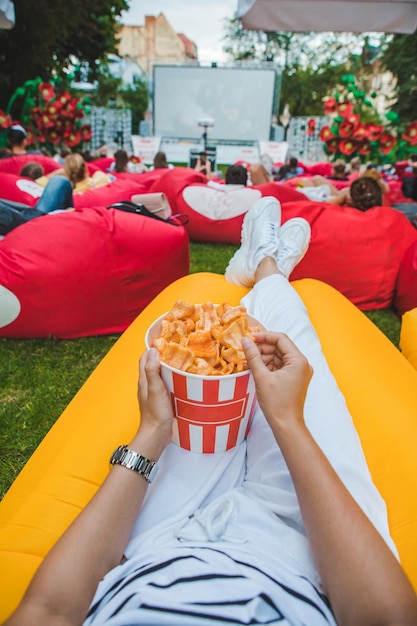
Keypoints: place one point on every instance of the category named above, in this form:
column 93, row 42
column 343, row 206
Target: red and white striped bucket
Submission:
column 211, row 413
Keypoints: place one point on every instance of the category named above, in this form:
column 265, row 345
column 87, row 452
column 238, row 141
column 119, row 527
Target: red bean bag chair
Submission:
column 405, row 297
column 400, row 168
column 19, row 189
column 14, row 164
column 116, row 191
column 26, row 191
column 102, row 163
column 395, row 194
column 86, row 272
column 215, row 215
column 358, row 253
column 321, row 169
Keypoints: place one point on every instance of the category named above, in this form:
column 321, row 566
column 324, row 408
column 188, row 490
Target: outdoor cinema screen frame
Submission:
column 240, row 101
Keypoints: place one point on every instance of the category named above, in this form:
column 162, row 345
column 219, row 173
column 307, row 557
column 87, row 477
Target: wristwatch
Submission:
column 134, row 461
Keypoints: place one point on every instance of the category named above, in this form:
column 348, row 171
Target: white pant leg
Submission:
column 275, row 303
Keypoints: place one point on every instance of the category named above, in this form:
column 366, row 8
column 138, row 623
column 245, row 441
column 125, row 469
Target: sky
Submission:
column 200, row 20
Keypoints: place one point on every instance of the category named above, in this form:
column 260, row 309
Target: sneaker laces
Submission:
column 285, row 250
column 270, row 233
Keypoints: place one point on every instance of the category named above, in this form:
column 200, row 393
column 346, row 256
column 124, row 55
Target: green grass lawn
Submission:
column 40, row 376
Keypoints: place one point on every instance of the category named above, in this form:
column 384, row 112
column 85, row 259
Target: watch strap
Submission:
column 134, row 461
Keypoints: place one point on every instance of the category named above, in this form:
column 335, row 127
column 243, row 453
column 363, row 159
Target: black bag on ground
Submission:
column 180, row 219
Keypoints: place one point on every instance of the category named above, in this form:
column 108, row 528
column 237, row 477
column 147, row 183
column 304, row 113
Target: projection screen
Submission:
column 240, row 101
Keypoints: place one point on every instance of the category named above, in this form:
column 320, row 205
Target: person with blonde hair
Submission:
column 76, row 170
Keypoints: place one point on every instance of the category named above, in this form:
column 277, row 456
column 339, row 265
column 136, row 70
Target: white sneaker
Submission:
column 259, row 239
column 294, row 239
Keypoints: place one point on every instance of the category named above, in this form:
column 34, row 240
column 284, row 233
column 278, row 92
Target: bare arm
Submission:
column 362, row 579
column 63, row 587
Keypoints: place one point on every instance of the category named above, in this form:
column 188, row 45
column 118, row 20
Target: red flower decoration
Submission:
column 332, row 145
column 374, row 131
column 68, row 110
column 45, row 121
column 347, row 146
column 330, row 106
column 346, row 128
column 5, row 120
column 410, row 134
column 72, row 138
column 64, row 98
column 53, row 136
column 53, row 109
column 361, row 132
column 36, row 113
column 364, row 147
column 86, row 132
column 67, row 124
column 326, row 133
column 311, row 126
column 47, row 91
column 345, row 109
column 354, row 119
column 387, row 143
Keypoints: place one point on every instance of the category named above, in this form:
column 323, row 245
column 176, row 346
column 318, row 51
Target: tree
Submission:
column 110, row 92
column 49, row 36
column 249, row 45
column 136, row 97
column 304, row 89
column 400, row 57
column 312, row 64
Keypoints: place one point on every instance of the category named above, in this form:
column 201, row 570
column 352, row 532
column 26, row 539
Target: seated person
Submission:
column 236, row 177
column 203, row 165
column 290, row 169
column 57, row 196
column 287, row 528
column 363, row 193
column 160, row 161
column 259, row 175
column 355, row 167
column 75, row 169
column 35, row 171
column 122, row 163
column 339, row 171
column 17, row 141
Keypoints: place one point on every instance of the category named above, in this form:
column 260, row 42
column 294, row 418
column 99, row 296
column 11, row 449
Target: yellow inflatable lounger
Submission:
column 378, row 382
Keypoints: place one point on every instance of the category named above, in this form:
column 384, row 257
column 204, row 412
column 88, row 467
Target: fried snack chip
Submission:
column 204, row 339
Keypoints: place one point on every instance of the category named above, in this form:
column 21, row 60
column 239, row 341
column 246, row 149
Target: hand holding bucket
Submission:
column 212, row 414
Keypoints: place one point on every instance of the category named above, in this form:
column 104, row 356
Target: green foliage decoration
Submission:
column 52, row 117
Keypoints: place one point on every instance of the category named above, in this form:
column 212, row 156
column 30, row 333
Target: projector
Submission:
column 206, row 122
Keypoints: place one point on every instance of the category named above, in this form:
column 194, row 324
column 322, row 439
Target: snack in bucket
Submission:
column 205, row 371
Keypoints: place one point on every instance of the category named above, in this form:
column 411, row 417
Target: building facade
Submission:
column 156, row 43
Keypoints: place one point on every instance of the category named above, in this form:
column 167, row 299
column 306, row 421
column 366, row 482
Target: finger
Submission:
column 152, row 369
column 142, row 381
column 287, row 347
column 253, row 356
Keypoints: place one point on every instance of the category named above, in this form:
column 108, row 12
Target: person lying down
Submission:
column 286, row 528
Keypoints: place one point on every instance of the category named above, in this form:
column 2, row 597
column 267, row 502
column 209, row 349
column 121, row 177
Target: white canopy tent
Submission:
column 357, row 16
column 7, row 16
